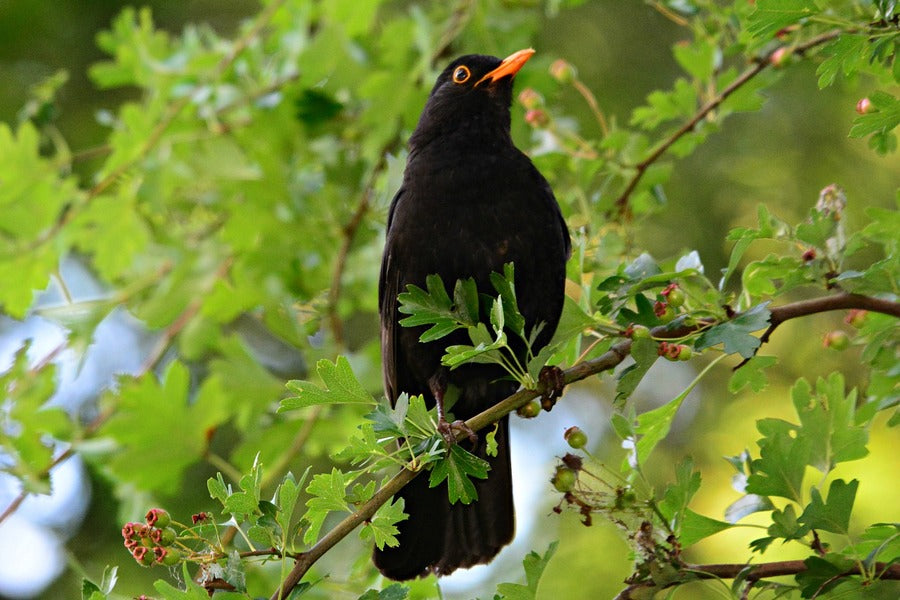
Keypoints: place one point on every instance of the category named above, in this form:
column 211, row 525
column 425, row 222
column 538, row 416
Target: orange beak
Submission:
column 510, row 66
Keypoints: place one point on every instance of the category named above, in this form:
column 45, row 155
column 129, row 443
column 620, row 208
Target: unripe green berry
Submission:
column 172, row 557
column 856, row 318
column 564, row 479
column 530, row 410
column 685, row 352
column 640, row 332
column 836, row 340
column 675, row 297
column 575, row 437
column 157, row 517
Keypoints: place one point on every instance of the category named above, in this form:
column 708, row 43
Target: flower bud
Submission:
column 562, row 71
column 864, row 106
column 530, row 99
column 537, row 118
column 779, row 57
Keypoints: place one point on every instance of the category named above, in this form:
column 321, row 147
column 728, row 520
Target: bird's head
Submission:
column 473, row 94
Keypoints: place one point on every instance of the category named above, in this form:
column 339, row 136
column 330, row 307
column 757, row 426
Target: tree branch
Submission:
column 758, row 67
column 608, row 360
column 751, row 572
column 803, row 308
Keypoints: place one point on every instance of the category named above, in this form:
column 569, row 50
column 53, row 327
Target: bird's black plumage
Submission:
column 470, row 201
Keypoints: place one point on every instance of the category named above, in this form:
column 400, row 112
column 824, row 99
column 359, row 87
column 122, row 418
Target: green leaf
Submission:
column 505, row 286
column 340, row 387
column 192, row 591
column 160, row 415
column 773, row 15
column 382, row 527
column 751, row 374
column 884, row 118
column 395, row 591
column 786, row 526
column 833, row 515
column 457, row 468
column 698, row 57
column 678, row 495
column 644, row 352
column 783, row 459
column 286, row 498
column 434, row 307
column 695, row 527
column 843, row 55
column 534, row 565
column 734, row 334
column 828, row 422
column 328, row 491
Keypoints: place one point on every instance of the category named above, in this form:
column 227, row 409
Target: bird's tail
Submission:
column 439, row 537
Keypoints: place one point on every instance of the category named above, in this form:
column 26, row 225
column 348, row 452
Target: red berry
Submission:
column 809, row 254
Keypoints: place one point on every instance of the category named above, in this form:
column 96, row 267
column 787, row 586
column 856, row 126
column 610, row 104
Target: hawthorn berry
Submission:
column 836, row 340
column 575, row 437
column 157, row 517
column 530, row 410
column 674, row 295
column 638, row 332
column 856, row 318
column 564, row 479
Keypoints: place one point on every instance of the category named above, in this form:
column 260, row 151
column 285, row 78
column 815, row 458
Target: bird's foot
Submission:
column 553, row 380
column 449, row 431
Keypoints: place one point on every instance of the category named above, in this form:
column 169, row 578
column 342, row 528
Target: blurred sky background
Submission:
column 781, row 156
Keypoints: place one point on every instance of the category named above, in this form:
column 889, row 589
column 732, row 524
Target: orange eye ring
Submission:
column 461, row 74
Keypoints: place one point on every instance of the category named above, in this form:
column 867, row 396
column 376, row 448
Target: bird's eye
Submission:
column 461, row 74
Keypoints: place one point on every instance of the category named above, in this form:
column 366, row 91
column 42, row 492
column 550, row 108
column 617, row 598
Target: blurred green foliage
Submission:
column 217, row 170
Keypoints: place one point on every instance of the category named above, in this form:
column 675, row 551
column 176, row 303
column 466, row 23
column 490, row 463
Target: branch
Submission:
column 804, row 308
column 608, row 360
column 752, row 573
column 758, row 67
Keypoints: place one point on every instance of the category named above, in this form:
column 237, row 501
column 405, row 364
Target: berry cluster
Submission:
column 150, row 542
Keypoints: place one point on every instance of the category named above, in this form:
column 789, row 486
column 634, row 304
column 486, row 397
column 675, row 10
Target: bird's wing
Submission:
column 388, row 289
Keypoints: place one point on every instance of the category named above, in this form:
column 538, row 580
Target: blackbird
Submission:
column 470, row 202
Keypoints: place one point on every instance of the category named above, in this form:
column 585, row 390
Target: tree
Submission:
column 245, row 190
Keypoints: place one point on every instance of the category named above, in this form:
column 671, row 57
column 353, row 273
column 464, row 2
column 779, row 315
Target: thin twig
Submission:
column 758, row 67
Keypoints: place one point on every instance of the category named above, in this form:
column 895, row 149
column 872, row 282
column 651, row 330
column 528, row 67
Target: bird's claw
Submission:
column 553, row 380
column 449, row 431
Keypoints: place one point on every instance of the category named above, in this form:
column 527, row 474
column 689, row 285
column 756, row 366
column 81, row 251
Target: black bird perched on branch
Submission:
column 470, row 201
